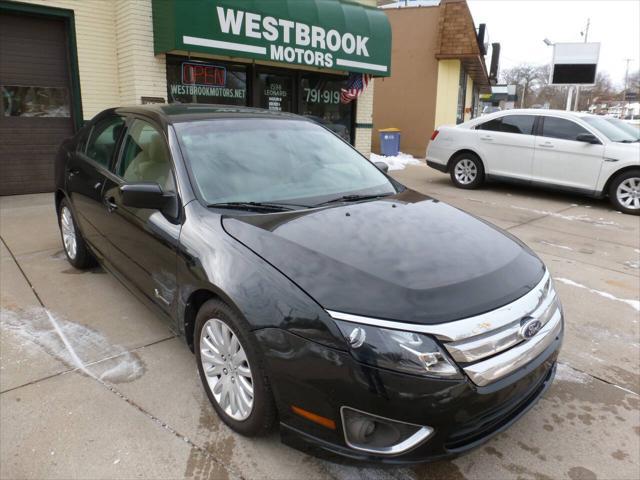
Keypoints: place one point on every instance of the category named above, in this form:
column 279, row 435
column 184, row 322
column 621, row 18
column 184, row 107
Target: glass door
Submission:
column 274, row 91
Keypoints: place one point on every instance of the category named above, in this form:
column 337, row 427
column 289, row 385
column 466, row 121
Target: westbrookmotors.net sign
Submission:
column 319, row 33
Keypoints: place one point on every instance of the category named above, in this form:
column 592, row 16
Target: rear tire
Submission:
column 466, row 171
column 232, row 371
column 624, row 192
column 75, row 248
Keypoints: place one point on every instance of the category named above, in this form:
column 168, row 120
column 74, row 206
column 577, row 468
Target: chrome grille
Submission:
column 503, row 347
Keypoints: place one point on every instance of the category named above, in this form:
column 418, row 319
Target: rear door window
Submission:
column 104, row 138
column 492, row 125
column 522, row 124
column 561, row 128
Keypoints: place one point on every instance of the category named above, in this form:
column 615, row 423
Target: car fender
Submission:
column 210, row 260
column 610, row 170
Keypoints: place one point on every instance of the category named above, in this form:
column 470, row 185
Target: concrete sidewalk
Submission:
column 94, row 386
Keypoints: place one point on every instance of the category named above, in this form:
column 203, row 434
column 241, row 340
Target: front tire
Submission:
column 624, row 192
column 466, row 171
column 75, row 248
column 232, row 371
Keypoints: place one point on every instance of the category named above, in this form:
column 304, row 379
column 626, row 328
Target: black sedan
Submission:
column 316, row 292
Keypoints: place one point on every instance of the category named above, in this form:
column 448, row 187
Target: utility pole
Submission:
column 585, row 33
column 626, row 85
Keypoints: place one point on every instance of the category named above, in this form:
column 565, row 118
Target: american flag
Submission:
column 355, row 86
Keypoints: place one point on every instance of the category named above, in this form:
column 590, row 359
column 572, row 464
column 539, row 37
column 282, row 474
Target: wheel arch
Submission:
column 612, row 177
column 59, row 196
column 465, row 150
column 196, row 299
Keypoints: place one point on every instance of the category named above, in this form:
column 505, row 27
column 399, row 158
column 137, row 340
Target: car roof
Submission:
column 528, row 111
column 181, row 112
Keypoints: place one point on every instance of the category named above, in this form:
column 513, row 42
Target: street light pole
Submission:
column 586, row 35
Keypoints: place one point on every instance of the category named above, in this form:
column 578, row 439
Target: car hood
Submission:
column 407, row 257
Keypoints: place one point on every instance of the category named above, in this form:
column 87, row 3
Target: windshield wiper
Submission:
column 353, row 198
column 272, row 207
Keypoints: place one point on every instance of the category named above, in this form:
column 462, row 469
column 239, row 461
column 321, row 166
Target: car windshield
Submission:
column 609, row 130
column 274, row 160
column 632, row 130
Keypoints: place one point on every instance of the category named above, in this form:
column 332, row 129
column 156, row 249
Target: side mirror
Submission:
column 383, row 167
column 588, row 138
column 145, row 195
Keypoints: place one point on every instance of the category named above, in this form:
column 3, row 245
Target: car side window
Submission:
column 146, row 156
column 103, row 140
column 492, row 125
column 554, row 127
column 522, row 124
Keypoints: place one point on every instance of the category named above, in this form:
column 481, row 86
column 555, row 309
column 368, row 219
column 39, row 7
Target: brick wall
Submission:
column 140, row 72
column 364, row 115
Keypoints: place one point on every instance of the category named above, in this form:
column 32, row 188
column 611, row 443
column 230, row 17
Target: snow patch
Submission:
column 563, row 247
column 599, row 222
column 564, row 373
column 399, row 162
column 632, row 264
column 73, row 344
column 635, row 304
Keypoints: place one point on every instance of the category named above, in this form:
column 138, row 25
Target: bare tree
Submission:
column 529, row 78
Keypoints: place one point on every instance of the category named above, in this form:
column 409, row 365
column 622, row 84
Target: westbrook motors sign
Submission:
column 319, row 33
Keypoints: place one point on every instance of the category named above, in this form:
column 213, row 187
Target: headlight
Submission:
column 397, row 350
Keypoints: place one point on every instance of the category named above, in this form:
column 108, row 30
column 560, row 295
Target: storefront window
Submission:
column 190, row 81
column 321, row 102
column 275, row 92
column 21, row 101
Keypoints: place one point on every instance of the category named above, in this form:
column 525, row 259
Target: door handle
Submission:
column 73, row 171
column 110, row 203
column 546, row 145
column 487, row 138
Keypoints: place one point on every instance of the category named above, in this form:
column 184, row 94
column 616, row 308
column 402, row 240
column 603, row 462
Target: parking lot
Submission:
column 94, row 386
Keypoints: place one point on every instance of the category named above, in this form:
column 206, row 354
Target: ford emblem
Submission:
column 530, row 328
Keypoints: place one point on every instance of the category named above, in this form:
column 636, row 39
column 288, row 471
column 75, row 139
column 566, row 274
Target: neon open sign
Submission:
column 203, row 74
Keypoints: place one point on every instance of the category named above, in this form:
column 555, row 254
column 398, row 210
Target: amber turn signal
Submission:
column 320, row 420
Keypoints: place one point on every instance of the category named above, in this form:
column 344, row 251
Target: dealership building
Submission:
column 63, row 61
column 442, row 63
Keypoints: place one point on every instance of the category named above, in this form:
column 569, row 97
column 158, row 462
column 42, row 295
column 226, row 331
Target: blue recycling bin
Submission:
column 389, row 141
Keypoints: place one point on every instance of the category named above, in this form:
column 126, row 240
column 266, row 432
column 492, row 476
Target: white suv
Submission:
column 571, row 151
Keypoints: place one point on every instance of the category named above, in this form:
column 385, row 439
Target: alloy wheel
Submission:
column 68, row 233
column 628, row 193
column 465, row 171
column 227, row 369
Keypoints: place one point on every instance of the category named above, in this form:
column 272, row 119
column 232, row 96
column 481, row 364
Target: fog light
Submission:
column 371, row 433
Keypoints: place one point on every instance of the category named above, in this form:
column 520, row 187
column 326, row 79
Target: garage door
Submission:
column 35, row 113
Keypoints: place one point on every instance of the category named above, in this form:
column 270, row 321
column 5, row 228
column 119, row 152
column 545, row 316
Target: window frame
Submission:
column 130, row 119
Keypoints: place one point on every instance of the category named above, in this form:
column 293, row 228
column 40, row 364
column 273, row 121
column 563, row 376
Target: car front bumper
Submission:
column 463, row 415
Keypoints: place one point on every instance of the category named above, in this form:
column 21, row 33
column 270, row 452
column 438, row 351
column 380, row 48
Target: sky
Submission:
column 520, row 27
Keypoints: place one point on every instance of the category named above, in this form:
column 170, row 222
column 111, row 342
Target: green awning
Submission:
column 332, row 34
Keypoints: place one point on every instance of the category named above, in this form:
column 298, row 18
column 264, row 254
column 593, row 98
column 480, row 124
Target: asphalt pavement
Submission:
column 93, row 385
